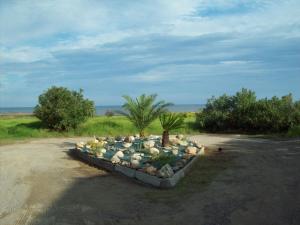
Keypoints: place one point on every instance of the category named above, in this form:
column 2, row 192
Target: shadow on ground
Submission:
column 248, row 183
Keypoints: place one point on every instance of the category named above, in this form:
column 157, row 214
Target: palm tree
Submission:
column 170, row 121
column 143, row 110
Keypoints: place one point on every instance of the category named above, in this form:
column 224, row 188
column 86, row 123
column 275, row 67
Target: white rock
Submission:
column 99, row 154
column 127, row 145
column 88, row 146
column 202, row 151
column 136, row 156
column 119, row 154
column 115, row 159
column 154, row 151
column 131, row 138
column 175, row 151
column 149, row 144
column 79, row 145
column 150, row 169
column 135, row 163
column 166, row 171
column 103, row 150
column 168, row 148
column 191, row 150
column 125, row 163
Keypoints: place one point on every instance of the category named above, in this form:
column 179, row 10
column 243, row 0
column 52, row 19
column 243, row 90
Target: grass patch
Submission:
column 13, row 128
column 294, row 132
column 204, row 171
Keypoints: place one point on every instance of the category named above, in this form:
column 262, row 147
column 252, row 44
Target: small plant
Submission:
column 143, row 110
column 162, row 159
column 170, row 121
column 96, row 145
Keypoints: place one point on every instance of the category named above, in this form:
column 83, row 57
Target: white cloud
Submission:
column 25, row 54
column 235, row 62
column 94, row 23
column 146, row 42
column 149, row 77
column 26, row 20
column 23, row 20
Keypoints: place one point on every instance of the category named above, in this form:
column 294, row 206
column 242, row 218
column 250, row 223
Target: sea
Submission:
column 101, row 110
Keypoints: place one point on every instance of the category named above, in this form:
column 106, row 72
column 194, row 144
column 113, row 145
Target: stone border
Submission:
column 133, row 173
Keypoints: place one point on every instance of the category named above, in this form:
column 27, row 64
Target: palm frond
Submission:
column 171, row 121
column 143, row 110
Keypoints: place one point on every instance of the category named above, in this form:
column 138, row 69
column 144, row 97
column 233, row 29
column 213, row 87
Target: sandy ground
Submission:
column 41, row 184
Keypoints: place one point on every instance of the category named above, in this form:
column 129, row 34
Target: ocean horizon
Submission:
column 101, row 110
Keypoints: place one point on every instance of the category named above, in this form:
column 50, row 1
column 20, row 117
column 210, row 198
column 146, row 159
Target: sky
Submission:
column 185, row 50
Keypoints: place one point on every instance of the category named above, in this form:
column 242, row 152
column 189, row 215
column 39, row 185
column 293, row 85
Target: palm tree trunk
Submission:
column 142, row 133
column 165, row 138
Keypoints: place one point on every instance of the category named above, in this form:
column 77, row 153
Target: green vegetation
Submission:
column 143, row 110
column 294, row 131
column 170, row 121
column 163, row 159
column 239, row 113
column 62, row 109
column 243, row 112
column 23, row 127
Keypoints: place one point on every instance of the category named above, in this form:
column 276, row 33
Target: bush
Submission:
column 109, row 113
column 216, row 114
column 243, row 112
column 62, row 109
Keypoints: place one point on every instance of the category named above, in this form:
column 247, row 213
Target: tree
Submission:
column 243, row 109
column 170, row 121
column 143, row 110
column 243, row 112
column 62, row 109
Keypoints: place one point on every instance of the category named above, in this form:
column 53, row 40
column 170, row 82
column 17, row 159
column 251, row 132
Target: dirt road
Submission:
column 41, row 184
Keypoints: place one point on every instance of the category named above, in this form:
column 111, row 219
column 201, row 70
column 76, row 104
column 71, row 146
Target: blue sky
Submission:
column 186, row 51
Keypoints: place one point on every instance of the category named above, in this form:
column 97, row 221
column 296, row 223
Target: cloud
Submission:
column 111, row 48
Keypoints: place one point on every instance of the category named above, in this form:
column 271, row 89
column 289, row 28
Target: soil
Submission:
column 41, row 184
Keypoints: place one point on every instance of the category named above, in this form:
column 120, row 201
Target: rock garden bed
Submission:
column 143, row 159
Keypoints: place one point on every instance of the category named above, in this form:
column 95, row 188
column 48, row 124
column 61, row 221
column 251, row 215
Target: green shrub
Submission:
column 243, row 112
column 216, row 114
column 62, row 109
column 109, row 113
